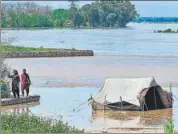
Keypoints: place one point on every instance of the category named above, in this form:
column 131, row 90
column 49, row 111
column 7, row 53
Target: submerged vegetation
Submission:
column 169, row 30
column 97, row 14
column 25, row 123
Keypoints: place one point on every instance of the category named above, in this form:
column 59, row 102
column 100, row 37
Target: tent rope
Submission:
column 83, row 103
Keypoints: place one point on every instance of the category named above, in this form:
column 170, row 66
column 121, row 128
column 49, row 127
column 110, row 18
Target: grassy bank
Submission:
column 25, row 123
column 9, row 51
column 10, row 48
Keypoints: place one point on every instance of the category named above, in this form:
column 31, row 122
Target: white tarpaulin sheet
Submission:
column 127, row 88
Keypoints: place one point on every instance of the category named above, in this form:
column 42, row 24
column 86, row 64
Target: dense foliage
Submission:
column 103, row 14
column 30, row 15
column 25, row 123
column 96, row 14
column 156, row 20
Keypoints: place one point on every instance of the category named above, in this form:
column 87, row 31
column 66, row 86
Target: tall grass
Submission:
column 25, row 123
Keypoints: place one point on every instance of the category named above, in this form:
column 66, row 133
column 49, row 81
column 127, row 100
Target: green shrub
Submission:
column 5, row 92
column 168, row 30
column 169, row 127
column 25, row 123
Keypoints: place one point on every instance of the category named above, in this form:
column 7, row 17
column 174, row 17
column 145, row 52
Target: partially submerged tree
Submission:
column 105, row 13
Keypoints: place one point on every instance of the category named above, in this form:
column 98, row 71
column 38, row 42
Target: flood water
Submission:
column 65, row 83
column 136, row 39
column 57, row 102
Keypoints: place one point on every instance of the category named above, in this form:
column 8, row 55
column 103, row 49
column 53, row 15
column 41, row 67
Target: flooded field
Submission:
column 57, row 102
column 65, row 83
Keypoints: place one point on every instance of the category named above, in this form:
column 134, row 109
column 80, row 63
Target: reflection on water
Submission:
column 57, row 102
column 20, row 108
column 126, row 119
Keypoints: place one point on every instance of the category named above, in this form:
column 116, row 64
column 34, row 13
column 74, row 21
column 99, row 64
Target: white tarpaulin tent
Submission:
column 127, row 88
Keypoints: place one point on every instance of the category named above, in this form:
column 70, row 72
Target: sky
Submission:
column 144, row 8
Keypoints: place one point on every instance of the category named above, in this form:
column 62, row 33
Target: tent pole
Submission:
column 173, row 96
column 142, row 106
column 104, row 102
column 155, row 98
column 145, row 104
column 121, row 103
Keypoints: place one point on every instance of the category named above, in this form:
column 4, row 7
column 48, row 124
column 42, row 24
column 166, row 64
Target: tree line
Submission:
column 97, row 14
column 30, row 14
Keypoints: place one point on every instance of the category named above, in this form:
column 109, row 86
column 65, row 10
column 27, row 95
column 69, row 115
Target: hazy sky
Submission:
column 144, row 8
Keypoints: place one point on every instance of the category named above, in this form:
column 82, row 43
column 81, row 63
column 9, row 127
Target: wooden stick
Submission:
column 145, row 104
column 121, row 103
column 104, row 102
column 142, row 106
column 104, row 112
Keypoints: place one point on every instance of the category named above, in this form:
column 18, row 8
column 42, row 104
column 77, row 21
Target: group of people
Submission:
column 25, row 83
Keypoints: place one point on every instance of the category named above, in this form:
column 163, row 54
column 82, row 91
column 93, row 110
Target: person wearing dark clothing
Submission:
column 15, row 83
column 26, row 82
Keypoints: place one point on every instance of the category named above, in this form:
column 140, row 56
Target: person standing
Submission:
column 15, row 83
column 25, row 82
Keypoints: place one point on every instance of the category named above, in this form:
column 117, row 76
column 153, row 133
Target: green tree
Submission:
column 94, row 17
column 78, row 19
column 97, row 14
column 59, row 17
column 111, row 19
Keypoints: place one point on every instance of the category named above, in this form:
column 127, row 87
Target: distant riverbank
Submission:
column 9, row 51
column 72, row 28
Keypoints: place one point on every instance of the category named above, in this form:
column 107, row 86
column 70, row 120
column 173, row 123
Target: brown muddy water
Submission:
column 57, row 102
column 92, row 71
column 65, row 83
